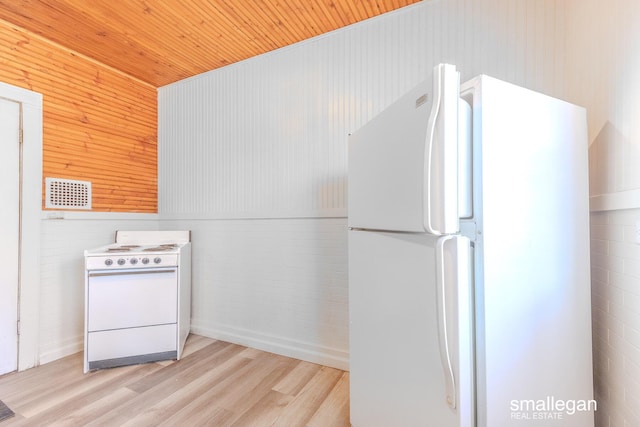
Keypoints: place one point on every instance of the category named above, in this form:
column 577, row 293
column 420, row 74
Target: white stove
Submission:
column 137, row 298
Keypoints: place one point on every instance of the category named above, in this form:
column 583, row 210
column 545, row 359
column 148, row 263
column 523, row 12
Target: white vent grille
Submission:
column 67, row 194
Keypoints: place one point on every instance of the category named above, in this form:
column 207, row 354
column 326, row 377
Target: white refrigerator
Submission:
column 469, row 285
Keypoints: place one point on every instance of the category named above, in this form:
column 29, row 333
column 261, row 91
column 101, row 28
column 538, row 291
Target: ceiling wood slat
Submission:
column 163, row 41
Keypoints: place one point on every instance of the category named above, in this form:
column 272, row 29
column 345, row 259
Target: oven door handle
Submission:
column 130, row 272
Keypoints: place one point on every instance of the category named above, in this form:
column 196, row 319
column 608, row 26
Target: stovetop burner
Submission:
column 122, row 248
column 161, row 248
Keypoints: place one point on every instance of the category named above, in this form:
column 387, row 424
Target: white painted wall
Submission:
column 603, row 66
column 252, row 157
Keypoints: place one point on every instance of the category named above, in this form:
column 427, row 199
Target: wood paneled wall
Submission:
column 99, row 125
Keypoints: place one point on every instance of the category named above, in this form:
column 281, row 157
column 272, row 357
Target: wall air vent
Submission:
column 67, row 194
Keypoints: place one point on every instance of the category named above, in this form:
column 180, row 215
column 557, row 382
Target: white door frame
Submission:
column 30, row 217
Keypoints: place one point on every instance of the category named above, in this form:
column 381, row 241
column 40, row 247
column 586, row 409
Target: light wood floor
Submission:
column 214, row 384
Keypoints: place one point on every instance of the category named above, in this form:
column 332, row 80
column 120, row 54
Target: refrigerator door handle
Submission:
column 440, row 199
column 431, row 135
column 444, row 328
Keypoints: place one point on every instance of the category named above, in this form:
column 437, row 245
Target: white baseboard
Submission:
column 326, row 356
column 68, row 347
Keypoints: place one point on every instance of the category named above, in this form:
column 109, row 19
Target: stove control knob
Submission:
column 145, row 260
column 157, row 260
column 108, row 262
column 121, row 261
column 133, row 261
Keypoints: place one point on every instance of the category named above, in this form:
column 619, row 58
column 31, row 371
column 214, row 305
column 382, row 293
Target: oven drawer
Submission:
column 131, row 342
column 131, row 298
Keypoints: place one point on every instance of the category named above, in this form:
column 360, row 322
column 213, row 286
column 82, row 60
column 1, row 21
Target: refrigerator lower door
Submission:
column 411, row 344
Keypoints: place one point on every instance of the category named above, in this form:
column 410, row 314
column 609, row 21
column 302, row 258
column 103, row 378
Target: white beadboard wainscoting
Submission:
column 63, row 242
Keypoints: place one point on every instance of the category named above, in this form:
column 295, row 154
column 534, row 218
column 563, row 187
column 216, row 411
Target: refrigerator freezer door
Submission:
column 408, row 293
column 403, row 164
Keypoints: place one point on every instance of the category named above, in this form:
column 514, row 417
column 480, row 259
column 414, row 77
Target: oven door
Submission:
column 131, row 316
column 120, row 299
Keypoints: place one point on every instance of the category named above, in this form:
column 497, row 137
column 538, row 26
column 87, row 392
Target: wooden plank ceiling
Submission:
column 162, row 41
